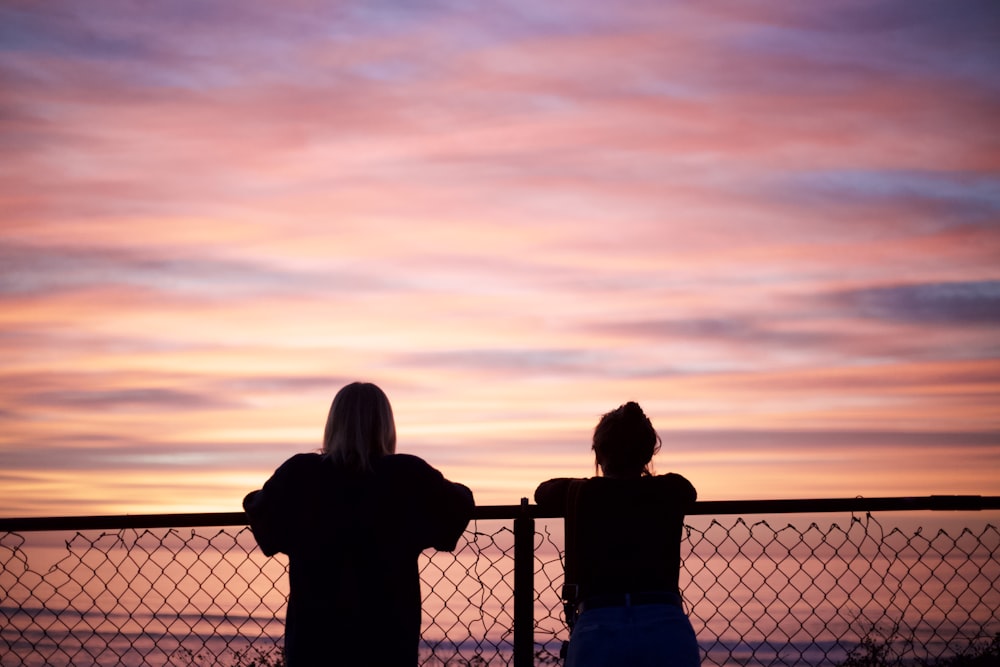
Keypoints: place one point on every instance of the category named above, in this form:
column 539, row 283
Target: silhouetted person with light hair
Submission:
column 623, row 541
column 353, row 520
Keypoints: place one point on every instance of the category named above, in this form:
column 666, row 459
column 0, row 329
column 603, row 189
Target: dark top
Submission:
column 352, row 541
column 628, row 531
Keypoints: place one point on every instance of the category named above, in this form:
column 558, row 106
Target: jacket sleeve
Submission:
column 683, row 491
column 551, row 495
column 268, row 511
column 452, row 508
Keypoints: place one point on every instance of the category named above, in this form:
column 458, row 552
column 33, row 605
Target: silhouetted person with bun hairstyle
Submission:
column 623, row 541
column 353, row 520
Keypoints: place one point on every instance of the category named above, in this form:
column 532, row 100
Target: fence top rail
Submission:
column 487, row 512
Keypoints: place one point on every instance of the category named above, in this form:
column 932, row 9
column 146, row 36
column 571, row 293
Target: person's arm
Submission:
column 434, row 511
column 262, row 522
column 551, row 495
column 268, row 512
column 683, row 491
column 454, row 504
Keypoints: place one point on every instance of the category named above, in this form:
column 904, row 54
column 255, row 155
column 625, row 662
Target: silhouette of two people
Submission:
column 354, row 518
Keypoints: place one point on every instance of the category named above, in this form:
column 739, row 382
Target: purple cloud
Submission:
column 735, row 329
column 39, row 270
column 935, row 199
column 145, row 399
column 958, row 304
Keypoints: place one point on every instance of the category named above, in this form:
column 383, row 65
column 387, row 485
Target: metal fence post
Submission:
column 524, row 587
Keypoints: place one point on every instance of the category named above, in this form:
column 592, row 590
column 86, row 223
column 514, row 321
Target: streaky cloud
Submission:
column 735, row 329
column 39, row 270
column 955, row 304
column 506, row 360
column 938, row 199
column 802, row 441
column 282, row 383
column 120, row 454
column 136, row 399
column 34, row 270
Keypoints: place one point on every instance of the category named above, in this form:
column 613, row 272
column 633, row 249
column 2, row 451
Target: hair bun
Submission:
column 632, row 409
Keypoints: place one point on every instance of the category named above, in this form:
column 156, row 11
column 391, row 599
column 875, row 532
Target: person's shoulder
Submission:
column 302, row 461
column 554, row 491
column 299, row 462
column 672, row 478
column 407, row 466
column 298, row 467
column 676, row 484
column 403, row 462
column 294, row 474
column 404, row 474
column 559, row 482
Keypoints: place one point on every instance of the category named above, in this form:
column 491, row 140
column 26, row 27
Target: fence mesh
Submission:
column 756, row 593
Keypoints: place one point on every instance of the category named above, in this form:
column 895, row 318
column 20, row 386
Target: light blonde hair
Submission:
column 360, row 428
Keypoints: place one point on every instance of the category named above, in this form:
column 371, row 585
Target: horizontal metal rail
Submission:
column 489, row 512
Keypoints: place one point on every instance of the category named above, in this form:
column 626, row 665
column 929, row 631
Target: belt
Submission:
column 630, row 600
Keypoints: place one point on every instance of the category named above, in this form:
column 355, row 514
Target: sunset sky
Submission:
column 775, row 225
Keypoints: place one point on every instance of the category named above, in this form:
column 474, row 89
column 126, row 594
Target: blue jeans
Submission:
column 653, row 635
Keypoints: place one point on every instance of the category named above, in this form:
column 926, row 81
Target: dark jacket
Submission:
column 352, row 541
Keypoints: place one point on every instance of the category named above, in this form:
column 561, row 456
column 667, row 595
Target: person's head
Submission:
column 360, row 428
column 625, row 442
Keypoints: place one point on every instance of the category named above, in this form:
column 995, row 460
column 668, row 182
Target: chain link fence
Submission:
column 757, row 592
